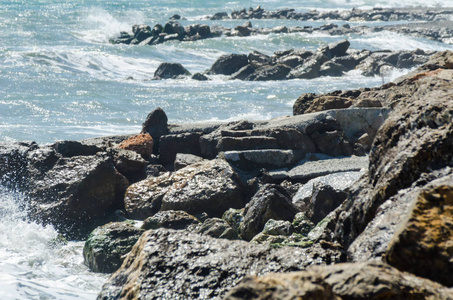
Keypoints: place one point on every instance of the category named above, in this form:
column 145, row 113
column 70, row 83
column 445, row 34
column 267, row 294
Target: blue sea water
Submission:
column 60, row 78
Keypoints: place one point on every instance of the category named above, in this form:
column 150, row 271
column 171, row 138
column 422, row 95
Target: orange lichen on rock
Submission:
column 141, row 143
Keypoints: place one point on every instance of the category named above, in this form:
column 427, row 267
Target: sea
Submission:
column 61, row 79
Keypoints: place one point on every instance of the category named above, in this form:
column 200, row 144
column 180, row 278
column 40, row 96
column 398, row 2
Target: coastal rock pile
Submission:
column 361, row 177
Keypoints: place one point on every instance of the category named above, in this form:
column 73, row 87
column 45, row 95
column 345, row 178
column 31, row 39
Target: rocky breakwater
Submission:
column 334, row 59
column 353, row 15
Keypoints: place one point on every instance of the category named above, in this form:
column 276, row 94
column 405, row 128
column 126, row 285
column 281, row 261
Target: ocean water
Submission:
column 60, row 78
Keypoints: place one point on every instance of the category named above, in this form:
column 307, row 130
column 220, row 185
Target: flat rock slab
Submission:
column 267, row 158
column 313, row 169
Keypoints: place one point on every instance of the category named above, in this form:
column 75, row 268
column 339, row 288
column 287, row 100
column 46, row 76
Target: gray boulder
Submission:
column 172, row 219
column 229, row 64
column 170, row 71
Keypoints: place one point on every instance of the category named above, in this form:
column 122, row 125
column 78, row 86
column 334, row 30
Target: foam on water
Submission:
column 34, row 264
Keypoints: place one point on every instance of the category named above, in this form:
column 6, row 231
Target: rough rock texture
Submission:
column 166, row 264
column 217, row 228
column 341, row 281
column 170, row 70
column 173, row 219
column 210, row 187
column 228, row 64
column 416, row 138
column 270, row 202
column 141, row 143
column 106, row 246
column 156, row 125
column 423, row 245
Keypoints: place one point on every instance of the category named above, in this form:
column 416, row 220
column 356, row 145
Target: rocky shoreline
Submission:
column 354, row 191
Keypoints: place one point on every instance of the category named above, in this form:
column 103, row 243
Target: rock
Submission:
column 324, row 200
column 275, row 72
column 141, row 32
column 339, row 48
column 327, row 103
column 423, row 243
column 247, row 142
column 302, row 223
column 170, row 70
column 199, row 77
column 211, row 187
column 303, row 103
column 329, row 138
column 75, row 148
column 243, row 72
column 278, row 227
column 129, row 163
column 198, row 31
column 270, row 202
column 234, row 218
column 258, row 59
column 171, row 144
column 105, row 248
column 142, row 144
column 331, row 68
column 218, row 228
column 341, row 281
column 177, row 264
column 291, row 61
column 73, row 192
column 266, row 158
column 14, row 160
column 174, row 27
column 183, row 160
column 242, row 31
column 417, row 137
column 219, row 16
column 229, row 64
column 308, row 70
column 172, row 219
column 156, row 126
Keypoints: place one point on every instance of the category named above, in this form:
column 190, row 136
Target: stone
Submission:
column 268, row 72
column 278, row 227
column 75, row 148
column 270, row 202
column 243, row 72
column 170, row 71
column 141, row 32
column 211, row 187
column 242, row 30
column 324, row 200
column 340, row 281
column 258, row 59
column 229, row 64
column 333, row 69
column 105, row 248
column 129, row 163
column 302, row 223
column 329, row 138
column 234, row 218
column 303, row 103
column 172, row 219
column 423, row 243
column 171, row 144
column 181, row 265
column 142, row 144
column 156, row 125
column 183, row 160
column 308, row 70
column 328, row 102
column 291, row 61
column 266, row 158
column 217, row 228
column 73, row 193
column 339, row 48
column 247, row 142
column 200, row 77
column 174, row 27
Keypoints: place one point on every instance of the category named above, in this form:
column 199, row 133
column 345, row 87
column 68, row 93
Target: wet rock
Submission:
column 219, row 16
column 141, row 143
column 243, row 72
column 13, row 161
column 423, row 243
column 156, row 125
column 75, row 148
column 264, row 73
column 242, row 31
column 172, row 219
column 170, row 71
column 339, row 48
column 270, row 202
column 107, row 245
column 258, row 59
column 302, row 223
column 234, row 218
column 141, row 32
column 217, row 228
column 199, row 77
column 129, row 163
column 211, row 266
column 324, row 200
column 229, row 64
column 341, row 281
column 278, row 227
column 333, row 69
column 174, row 27
column 308, row 70
column 74, row 192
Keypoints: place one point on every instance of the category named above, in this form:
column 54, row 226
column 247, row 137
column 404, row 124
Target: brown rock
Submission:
column 141, row 143
column 341, row 281
column 424, row 243
column 328, row 102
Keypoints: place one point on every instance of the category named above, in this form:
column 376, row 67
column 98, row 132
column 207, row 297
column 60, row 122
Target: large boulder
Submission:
column 172, row 144
column 210, row 187
column 339, row 48
column 269, row 72
column 180, row 265
column 270, row 202
column 229, row 64
column 156, row 125
column 170, row 71
column 107, row 245
column 141, row 143
column 341, row 281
